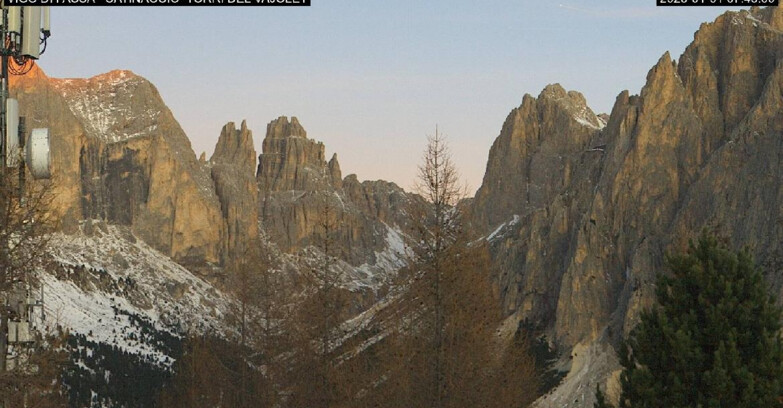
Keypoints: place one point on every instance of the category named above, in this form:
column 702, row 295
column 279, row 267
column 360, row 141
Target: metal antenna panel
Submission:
column 38, row 157
column 14, row 27
column 31, row 32
column 12, row 132
column 46, row 23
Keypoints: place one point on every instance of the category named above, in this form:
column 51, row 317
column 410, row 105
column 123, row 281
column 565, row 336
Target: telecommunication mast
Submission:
column 24, row 31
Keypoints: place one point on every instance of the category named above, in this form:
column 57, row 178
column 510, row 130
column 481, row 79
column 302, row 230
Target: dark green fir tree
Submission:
column 712, row 341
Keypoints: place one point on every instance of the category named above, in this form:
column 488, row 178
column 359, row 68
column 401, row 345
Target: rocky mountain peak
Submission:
column 553, row 91
column 572, row 103
column 121, row 156
column 532, row 157
column 663, row 84
column 298, row 188
column 117, row 76
column 291, row 161
column 115, row 106
column 281, row 128
column 665, row 67
column 587, row 217
column 726, row 66
column 111, row 79
column 232, row 170
column 235, row 147
column 335, row 173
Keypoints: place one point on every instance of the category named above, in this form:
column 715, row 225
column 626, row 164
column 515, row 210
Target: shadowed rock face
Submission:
column 300, row 192
column 290, row 161
column 115, row 149
column 118, row 154
column 533, row 158
column 232, row 167
column 542, row 169
column 597, row 207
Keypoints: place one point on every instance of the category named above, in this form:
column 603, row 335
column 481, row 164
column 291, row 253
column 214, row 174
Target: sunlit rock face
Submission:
column 581, row 209
column 120, row 156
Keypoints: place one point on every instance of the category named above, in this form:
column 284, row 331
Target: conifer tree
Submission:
column 315, row 327
column 714, row 339
column 444, row 348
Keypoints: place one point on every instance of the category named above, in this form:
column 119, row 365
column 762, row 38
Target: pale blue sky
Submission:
column 372, row 78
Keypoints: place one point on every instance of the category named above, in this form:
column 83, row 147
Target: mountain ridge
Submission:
column 696, row 148
column 578, row 209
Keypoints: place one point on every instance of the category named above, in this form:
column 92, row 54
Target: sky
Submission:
column 372, row 78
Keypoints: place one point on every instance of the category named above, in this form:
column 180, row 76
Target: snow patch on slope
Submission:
column 501, row 230
column 106, row 106
column 586, row 117
column 105, row 277
column 94, row 314
column 387, row 262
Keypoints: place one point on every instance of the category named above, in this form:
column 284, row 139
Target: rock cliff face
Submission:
column 580, row 215
column 301, row 193
column 579, row 209
column 232, row 167
column 136, row 166
column 536, row 188
column 290, row 161
column 537, row 152
column 120, row 156
column 116, row 150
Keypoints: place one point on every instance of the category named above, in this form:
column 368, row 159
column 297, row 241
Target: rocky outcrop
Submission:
column 120, row 156
column 536, row 153
column 301, row 195
column 292, row 162
column 335, row 175
column 540, row 173
column 137, row 167
column 579, row 216
column 232, row 167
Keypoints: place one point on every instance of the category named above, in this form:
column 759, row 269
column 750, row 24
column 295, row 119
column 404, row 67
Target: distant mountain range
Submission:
column 579, row 208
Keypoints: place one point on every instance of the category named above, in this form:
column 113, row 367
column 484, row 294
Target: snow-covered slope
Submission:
column 110, row 106
column 387, row 262
column 103, row 281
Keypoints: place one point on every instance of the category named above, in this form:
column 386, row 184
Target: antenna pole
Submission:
column 4, row 52
column 4, row 89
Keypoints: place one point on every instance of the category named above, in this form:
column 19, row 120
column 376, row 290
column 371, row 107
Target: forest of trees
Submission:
column 434, row 344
